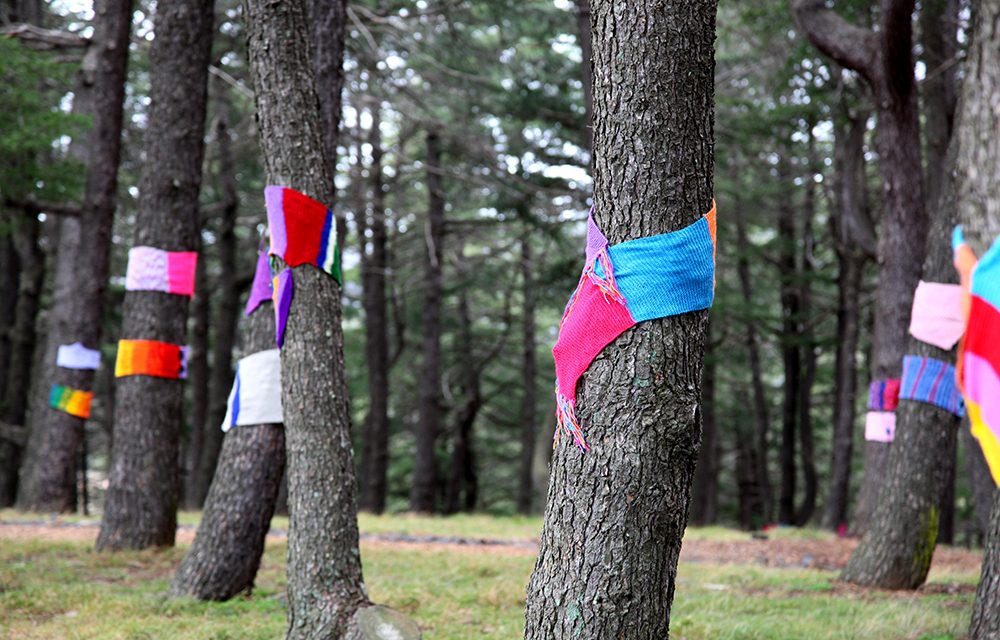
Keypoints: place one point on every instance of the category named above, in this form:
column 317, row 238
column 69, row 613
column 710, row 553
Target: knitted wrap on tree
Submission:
column 978, row 367
column 623, row 285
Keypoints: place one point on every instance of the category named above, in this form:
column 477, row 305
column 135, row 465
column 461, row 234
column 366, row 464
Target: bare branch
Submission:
column 67, row 209
column 33, row 37
column 848, row 45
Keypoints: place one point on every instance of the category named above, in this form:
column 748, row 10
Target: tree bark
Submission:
column 976, row 175
column 81, row 273
column 587, row 67
column 616, row 514
column 529, row 403
column 980, row 481
column 885, row 59
column 807, row 346
column 143, row 491
column 226, row 553
column 374, row 266
column 791, row 353
column 462, row 489
column 325, row 586
column 705, row 490
column 852, row 233
column 424, row 485
column 227, row 313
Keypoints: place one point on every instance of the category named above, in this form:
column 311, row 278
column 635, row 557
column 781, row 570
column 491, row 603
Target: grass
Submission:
column 56, row 590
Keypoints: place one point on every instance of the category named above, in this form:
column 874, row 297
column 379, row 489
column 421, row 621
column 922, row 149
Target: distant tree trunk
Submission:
column 980, row 481
column 225, row 556
column 587, row 53
column 616, row 514
column 756, row 490
column 21, row 355
column 9, row 276
column 529, row 403
column 705, row 490
column 48, row 481
column 854, row 242
column 946, row 522
column 807, row 345
column 424, row 483
column 462, row 482
column 374, row 265
column 141, row 505
column 326, row 594
column 791, row 353
column 227, row 313
column 977, row 174
column 884, row 58
column 197, row 382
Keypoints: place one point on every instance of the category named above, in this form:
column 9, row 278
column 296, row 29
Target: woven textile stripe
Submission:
column 283, row 287
column 883, row 395
column 151, row 269
column 71, row 401
column 151, row 358
column 77, row 356
column 621, row 285
column 303, row 231
column 260, row 291
column 978, row 370
column 256, row 394
column 937, row 314
column 931, row 381
column 880, row 426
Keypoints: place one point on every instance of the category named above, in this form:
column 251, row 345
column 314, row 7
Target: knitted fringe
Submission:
column 606, row 284
column 566, row 421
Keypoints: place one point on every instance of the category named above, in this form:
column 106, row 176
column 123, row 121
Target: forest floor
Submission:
column 463, row 577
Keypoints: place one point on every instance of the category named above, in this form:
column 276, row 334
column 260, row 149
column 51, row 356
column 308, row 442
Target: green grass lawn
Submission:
column 57, row 590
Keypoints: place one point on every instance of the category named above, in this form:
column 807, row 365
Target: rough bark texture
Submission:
column 144, row 484
column 529, row 403
column 977, row 174
column 705, row 490
column 227, row 312
column 807, row 342
column 885, row 59
column 854, row 242
column 325, row 586
column 374, row 265
column 226, row 553
column 424, row 485
column 896, row 550
column 81, row 274
column 616, row 514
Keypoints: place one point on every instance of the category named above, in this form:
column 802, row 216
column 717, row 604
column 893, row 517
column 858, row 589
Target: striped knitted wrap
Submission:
column 883, row 395
column 303, row 231
column 622, row 285
column 71, row 401
column 978, row 370
column 932, row 382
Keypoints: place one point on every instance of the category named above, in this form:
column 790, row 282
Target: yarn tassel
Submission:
column 566, row 421
column 607, row 283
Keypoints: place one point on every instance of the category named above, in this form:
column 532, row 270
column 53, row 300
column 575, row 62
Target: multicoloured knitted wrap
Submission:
column 932, row 382
column 883, row 395
column 71, row 401
column 978, row 369
column 151, row 358
column 303, row 231
column 623, row 285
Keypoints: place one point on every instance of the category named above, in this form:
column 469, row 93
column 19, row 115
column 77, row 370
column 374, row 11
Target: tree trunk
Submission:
column 141, row 506
column 48, row 479
column 197, row 381
column 885, row 59
column 226, row 553
column 977, row 174
column 807, row 342
column 374, row 266
column 424, row 465
column 757, row 497
column 791, row 353
column 616, row 514
column 461, row 483
column 705, row 490
column 852, row 232
column 227, row 313
column 529, row 403
column 980, row 481
column 325, row 586
column 587, row 78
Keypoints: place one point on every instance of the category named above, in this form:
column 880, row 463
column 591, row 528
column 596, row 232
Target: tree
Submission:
column 529, row 410
column 977, row 174
column 144, row 484
column 885, row 60
column 81, row 272
column 326, row 595
column 425, row 476
column 616, row 514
